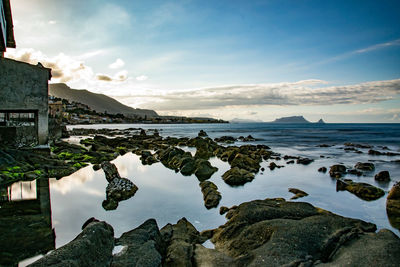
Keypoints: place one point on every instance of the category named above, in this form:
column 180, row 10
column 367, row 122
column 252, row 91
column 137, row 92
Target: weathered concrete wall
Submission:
column 25, row 87
column 18, row 136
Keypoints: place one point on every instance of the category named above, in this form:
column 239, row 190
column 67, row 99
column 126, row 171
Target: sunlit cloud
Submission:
column 142, row 78
column 119, row 63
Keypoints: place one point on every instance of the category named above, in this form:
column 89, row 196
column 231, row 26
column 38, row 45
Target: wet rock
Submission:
column 96, row 167
column 357, row 145
column 202, row 134
column 298, row 193
column 365, row 166
column 188, row 166
column 147, row 158
column 393, row 205
column 290, row 162
column 237, row 176
column 211, row 196
column 382, row 176
column 143, row 246
column 245, row 162
column 204, row 169
column 378, row 153
column 110, row 170
column 336, row 171
column 205, row 257
column 92, row 247
column 180, row 240
column 118, row 188
column 249, row 138
column 223, row 210
column 225, row 139
column 322, row 169
column 274, row 232
column 324, row 145
column 362, row 190
column 304, row 161
column 354, row 172
column 381, row 249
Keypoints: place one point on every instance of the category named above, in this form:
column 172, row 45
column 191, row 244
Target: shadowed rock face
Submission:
column 274, row 232
column 92, row 247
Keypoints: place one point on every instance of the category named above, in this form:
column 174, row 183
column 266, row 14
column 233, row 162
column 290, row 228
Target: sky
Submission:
column 256, row 60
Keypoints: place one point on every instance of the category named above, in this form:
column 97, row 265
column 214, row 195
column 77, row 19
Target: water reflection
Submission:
column 25, row 222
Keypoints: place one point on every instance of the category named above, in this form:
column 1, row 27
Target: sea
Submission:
column 168, row 196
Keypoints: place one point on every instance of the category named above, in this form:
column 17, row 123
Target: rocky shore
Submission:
column 270, row 232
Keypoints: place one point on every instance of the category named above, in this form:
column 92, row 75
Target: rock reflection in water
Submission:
column 26, row 223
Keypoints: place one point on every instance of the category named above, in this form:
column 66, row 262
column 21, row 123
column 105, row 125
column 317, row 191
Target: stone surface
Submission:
column 362, row 190
column 274, row 232
column 92, row 247
column 143, row 246
column 236, row 176
column 365, row 166
column 382, row 176
column 297, row 193
column 110, row 170
column 211, row 196
column 393, row 205
column 337, row 171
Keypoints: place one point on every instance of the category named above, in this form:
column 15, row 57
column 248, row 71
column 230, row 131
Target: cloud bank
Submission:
column 307, row 92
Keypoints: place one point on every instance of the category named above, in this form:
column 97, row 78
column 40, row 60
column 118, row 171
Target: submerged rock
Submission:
column 211, row 195
column 202, row 133
column 92, row 247
column 322, row 169
column 362, row 190
column 236, row 176
column 304, row 161
column 225, row 139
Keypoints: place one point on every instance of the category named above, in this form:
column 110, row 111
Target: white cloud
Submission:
column 282, row 94
column 52, row 22
column 119, row 63
column 142, row 78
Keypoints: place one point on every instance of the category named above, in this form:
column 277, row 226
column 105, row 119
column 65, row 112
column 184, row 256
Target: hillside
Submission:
column 97, row 102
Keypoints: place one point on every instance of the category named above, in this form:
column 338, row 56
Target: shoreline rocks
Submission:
column 362, row 190
column 270, row 232
column 211, row 195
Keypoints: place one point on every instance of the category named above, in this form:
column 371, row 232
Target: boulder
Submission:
column 336, row 171
column 236, row 176
column 393, row 205
column 382, row 176
column 204, row 170
column 223, row 210
column 202, row 133
column 362, row 190
column 143, row 246
column 365, row 166
column 322, row 169
column 245, row 162
column 147, row 158
column 211, row 195
column 274, row 232
column 225, row 139
column 304, row 161
column 92, row 247
column 180, row 240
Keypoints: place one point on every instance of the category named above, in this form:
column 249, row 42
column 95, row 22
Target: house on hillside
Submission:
column 23, row 92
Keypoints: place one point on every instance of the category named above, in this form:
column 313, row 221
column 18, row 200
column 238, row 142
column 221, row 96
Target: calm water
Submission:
column 168, row 196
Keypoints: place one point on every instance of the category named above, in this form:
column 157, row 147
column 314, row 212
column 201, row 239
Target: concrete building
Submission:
column 23, row 89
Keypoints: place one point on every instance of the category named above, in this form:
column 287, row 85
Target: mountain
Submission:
column 321, row 121
column 98, row 102
column 293, row 119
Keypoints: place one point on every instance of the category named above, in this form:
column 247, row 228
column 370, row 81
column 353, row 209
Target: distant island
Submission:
column 295, row 119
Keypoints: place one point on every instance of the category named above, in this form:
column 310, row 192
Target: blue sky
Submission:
column 339, row 60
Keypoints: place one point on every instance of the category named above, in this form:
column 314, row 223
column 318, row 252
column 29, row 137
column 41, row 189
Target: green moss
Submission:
column 65, row 155
column 38, row 172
